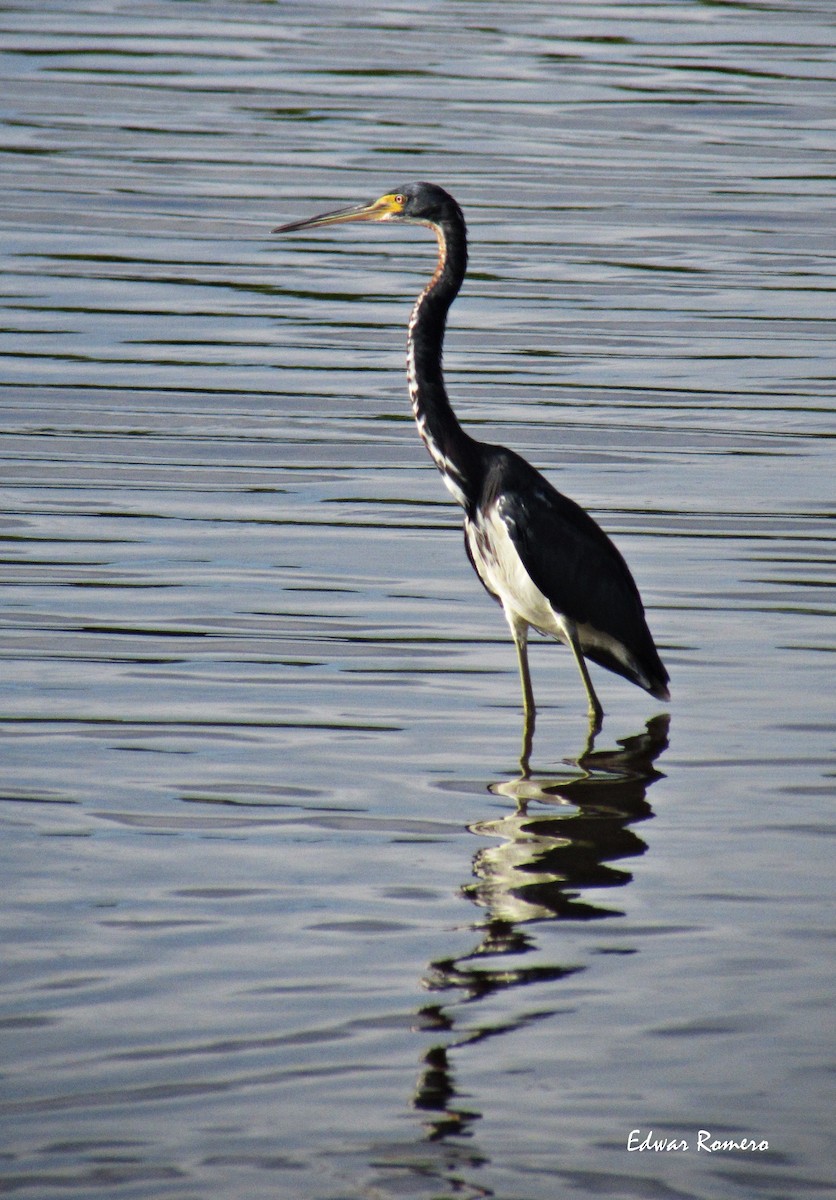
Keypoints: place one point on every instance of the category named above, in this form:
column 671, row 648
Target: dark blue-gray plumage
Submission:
column 537, row 552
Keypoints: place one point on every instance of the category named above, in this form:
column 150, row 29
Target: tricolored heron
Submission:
column 537, row 552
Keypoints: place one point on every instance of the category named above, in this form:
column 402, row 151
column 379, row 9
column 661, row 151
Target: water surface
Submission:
column 280, row 918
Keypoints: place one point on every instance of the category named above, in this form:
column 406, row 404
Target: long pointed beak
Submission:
column 383, row 209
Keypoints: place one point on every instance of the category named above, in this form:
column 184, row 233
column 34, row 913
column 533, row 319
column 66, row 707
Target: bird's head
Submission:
column 415, row 203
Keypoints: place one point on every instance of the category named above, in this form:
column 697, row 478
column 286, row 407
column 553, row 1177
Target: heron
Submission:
column 537, row 552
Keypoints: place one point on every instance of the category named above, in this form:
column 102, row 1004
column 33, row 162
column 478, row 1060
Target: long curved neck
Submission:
column 453, row 451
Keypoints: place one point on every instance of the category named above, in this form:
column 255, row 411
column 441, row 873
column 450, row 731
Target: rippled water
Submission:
column 279, row 917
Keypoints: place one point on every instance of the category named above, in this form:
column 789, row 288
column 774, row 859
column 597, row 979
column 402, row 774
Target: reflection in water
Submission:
column 543, row 868
column 542, row 860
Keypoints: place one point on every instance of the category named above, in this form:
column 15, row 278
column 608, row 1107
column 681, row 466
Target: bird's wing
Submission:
column 567, row 555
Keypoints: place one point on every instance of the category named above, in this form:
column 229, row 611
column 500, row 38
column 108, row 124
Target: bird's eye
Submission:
column 400, row 199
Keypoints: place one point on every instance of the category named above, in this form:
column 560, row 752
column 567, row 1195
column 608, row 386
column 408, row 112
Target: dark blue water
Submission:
column 280, row 918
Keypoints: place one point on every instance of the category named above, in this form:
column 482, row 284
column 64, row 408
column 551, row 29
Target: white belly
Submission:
column 501, row 570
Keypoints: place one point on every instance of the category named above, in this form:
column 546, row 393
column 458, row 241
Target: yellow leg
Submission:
column 520, row 633
column 596, row 712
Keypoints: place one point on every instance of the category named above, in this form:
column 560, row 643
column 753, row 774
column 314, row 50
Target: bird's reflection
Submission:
column 557, row 856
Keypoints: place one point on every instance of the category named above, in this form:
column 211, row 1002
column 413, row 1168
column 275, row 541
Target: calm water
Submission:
column 279, row 919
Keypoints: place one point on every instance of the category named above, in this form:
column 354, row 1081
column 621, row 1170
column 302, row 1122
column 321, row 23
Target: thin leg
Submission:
column 521, row 642
column 529, row 718
column 596, row 712
column 520, row 633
